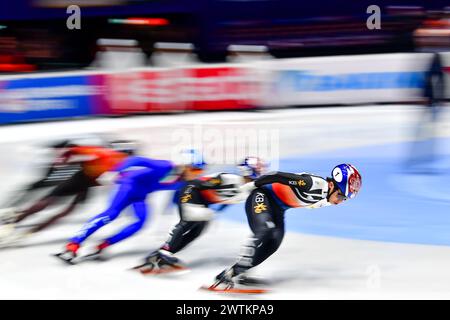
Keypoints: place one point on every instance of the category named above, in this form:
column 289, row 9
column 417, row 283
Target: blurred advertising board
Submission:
column 37, row 98
column 220, row 88
column 180, row 89
column 142, row 91
column 67, row 95
column 276, row 83
column 345, row 79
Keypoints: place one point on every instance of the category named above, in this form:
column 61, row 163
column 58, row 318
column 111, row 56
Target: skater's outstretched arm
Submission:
column 218, row 182
column 143, row 163
column 303, row 182
column 286, row 178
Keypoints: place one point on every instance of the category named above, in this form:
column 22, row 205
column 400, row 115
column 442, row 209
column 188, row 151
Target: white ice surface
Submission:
column 305, row 267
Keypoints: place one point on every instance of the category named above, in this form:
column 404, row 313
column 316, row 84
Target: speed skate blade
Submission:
column 93, row 257
column 235, row 290
column 155, row 271
column 138, row 267
column 61, row 258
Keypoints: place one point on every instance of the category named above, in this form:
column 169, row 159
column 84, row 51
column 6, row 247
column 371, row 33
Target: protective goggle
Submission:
column 340, row 196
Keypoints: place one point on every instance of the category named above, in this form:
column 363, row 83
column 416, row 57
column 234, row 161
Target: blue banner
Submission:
column 299, row 81
column 36, row 99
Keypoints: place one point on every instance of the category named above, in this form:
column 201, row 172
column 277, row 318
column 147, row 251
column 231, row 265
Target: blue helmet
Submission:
column 192, row 158
column 347, row 178
column 252, row 167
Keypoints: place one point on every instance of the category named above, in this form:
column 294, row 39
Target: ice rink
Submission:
column 392, row 241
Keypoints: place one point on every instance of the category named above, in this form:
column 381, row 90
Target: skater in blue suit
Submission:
column 137, row 177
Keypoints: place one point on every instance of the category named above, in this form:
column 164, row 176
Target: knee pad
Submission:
column 277, row 236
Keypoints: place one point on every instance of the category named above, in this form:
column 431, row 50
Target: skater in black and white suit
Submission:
column 195, row 201
column 271, row 195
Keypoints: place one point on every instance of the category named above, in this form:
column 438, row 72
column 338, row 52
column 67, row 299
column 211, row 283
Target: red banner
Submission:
column 175, row 90
column 220, row 88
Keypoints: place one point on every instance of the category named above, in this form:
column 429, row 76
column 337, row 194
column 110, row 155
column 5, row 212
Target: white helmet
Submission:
column 192, row 158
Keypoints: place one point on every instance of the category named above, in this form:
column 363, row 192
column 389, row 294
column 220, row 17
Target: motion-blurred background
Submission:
column 34, row 32
column 188, row 51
